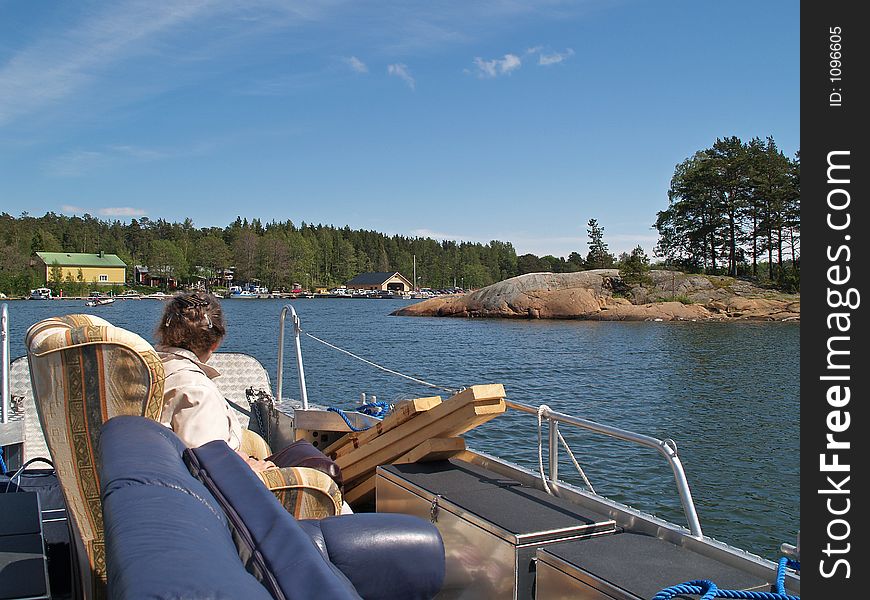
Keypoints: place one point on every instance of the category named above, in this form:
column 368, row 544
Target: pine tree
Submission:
column 599, row 257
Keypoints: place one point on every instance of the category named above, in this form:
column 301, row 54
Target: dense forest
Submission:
column 733, row 209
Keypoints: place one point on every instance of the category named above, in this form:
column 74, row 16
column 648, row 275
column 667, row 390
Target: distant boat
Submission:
column 238, row 292
column 99, row 301
column 40, row 294
column 158, row 296
column 130, row 295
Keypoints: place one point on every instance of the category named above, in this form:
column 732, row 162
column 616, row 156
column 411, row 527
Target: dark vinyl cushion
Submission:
column 162, row 543
column 384, row 555
column 271, row 542
column 145, row 452
column 165, row 535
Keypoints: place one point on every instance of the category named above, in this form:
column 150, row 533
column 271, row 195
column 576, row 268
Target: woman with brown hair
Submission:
column 191, row 329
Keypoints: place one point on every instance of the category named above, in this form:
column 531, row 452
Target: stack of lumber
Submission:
column 415, row 431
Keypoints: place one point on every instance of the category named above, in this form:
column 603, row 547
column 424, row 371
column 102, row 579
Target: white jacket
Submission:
column 193, row 406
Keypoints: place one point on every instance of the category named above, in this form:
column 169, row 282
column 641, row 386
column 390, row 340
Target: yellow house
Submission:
column 102, row 268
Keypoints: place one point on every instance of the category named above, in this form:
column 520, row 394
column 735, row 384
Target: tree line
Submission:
column 276, row 254
column 733, row 209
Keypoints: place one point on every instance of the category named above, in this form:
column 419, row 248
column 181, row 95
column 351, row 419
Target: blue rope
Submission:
column 780, row 572
column 708, row 590
column 372, row 409
column 3, row 468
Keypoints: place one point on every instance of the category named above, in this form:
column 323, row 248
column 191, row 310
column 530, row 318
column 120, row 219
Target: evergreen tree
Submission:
column 634, row 268
column 599, row 256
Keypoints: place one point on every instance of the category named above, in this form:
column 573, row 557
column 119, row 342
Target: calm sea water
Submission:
column 728, row 393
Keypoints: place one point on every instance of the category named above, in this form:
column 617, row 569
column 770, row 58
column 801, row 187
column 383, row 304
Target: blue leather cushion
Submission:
column 270, row 541
column 165, row 535
column 384, row 555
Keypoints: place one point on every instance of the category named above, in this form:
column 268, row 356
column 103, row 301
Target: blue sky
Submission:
column 512, row 120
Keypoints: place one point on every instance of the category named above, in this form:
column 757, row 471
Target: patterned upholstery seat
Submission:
column 84, row 371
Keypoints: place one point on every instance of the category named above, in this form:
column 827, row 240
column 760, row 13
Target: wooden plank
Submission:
column 363, row 488
column 474, row 394
column 395, row 444
column 360, row 492
column 388, row 447
column 433, row 449
column 401, row 412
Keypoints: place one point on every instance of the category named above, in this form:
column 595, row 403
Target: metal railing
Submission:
column 4, row 342
column 666, row 448
column 297, row 329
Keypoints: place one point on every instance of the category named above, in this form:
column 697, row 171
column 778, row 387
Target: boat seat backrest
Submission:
column 84, row 371
column 238, row 373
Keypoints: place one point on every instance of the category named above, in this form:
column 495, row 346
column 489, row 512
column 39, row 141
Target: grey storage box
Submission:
column 23, row 566
column 491, row 525
column 629, row 566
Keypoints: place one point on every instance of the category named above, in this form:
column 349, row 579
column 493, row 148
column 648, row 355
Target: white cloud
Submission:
column 555, row 58
column 497, row 66
column 108, row 211
column 436, row 235
column 121, row 211
column 356, row 64
column 400, row 70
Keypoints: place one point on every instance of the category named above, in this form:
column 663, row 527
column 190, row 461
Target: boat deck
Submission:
column 23, row 420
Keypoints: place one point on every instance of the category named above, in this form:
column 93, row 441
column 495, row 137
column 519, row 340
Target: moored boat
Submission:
column 99, row 301
column 238, row 292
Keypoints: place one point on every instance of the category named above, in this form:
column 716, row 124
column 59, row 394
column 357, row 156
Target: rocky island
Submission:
column 602, row 295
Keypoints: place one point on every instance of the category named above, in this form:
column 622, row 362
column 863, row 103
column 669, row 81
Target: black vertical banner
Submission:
column 834, row 365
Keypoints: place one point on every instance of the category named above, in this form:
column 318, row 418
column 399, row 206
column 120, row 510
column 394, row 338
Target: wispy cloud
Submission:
column 555, row 58
column 52, row 69
column 108, row 211
column 400, row 70
column 122, row 211
column 436, row 235
column 77, row 163
column 356, row 64
column 497, row 66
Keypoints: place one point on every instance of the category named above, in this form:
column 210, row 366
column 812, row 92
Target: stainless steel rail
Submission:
column 4, row 342
column 297, row 328
column 667, row 448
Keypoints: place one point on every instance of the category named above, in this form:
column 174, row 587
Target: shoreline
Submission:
column 602, row 295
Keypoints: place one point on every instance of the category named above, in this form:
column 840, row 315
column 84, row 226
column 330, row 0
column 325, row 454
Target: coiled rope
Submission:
column 382, row 368
column 552, row 490
column 377, row 410
column 708, row 590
